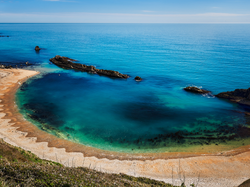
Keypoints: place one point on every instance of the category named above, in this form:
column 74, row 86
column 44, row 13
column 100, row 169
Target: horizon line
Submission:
column 121, row 23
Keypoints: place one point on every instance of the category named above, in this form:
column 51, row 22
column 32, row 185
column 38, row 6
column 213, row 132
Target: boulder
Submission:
column 37, row 48
column 137, row 78
column 195, row 89
column 68, row 63
column 2, row 66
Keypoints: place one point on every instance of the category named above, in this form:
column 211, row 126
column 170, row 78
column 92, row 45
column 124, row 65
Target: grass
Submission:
column 245, row 184
column 22, row 168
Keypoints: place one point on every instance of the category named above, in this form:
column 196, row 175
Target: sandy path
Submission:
column 212, row 171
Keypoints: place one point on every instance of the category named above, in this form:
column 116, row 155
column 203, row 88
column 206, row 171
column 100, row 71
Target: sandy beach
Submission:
column 228, row 168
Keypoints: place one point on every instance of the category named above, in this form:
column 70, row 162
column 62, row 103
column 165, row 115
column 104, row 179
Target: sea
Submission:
column 124, row 115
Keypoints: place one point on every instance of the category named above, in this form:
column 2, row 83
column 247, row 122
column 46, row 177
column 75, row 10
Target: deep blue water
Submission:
column 124, row 115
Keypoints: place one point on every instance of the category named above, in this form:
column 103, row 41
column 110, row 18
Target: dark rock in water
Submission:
column 241, row 96
column 2, row 66
column 67, row 63
column 5, row 66
column 37, row 48
column 195, row 90
column 137, row 78
column 13, row 65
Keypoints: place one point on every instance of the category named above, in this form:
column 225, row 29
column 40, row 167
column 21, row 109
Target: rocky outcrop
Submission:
column 241, row 96
column 195, row 89
column 2, row 66
column 37, row 48
column 137, row 78
column 67, row 63
column 19, row 65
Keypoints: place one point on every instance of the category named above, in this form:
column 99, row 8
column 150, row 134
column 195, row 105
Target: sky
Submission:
column 124, row 11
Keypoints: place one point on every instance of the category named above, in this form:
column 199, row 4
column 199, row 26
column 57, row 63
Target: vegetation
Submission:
column 245, row 184
column 22, row 168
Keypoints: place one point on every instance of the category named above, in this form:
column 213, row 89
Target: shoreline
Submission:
column 227, row 169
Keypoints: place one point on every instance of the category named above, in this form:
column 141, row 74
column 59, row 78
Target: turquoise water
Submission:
column 153, row 115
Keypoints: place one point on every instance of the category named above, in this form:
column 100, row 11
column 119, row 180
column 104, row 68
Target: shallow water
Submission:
column 153, row 115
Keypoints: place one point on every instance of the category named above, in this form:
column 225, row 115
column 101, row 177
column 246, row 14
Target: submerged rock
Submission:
column 196, row 90
column 137, row 78
column 37, row 48
column 241, row 96
column 68, row 63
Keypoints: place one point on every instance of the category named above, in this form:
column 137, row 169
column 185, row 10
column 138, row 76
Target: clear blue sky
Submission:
column 124, row 11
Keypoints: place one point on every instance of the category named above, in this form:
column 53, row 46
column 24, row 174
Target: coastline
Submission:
column 231, row 169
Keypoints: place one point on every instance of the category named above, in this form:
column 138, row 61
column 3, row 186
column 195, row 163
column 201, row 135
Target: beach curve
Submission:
column 227, row 169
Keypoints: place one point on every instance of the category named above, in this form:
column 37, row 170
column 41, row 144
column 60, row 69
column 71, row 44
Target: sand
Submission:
column 228, row 168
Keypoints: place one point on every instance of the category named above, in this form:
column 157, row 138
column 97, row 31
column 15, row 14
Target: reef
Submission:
column 67, row 63
column 240, row 96
column 37, row 48
column 196, row 90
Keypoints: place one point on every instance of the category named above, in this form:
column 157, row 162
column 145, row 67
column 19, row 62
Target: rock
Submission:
column 5, row 66
column 37, row 48
column 195, row 90
column 241, row 96
column 137, row 78
column 2, row 66
column 67, row 63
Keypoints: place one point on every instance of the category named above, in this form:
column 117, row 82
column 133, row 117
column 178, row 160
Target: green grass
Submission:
column 22, row 168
